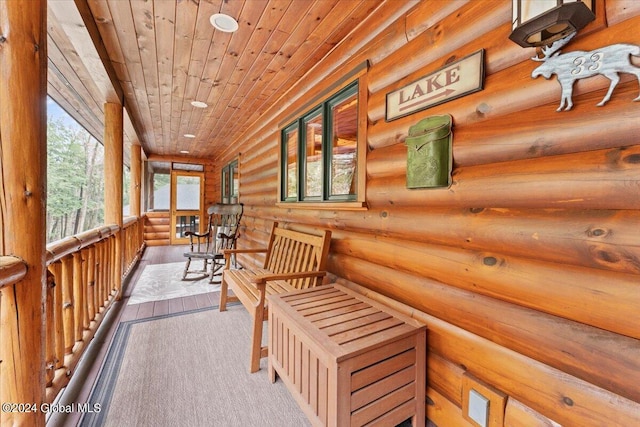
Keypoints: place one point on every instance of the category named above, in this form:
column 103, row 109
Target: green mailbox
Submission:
column 429, row 158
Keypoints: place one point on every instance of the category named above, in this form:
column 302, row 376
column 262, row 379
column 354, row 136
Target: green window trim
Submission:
column 314, row 153
column 229, row 182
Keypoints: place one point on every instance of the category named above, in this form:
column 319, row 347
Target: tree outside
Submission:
column 75, row 183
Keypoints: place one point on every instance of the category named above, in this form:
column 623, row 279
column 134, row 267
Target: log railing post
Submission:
column 78, row 297
column 50, row 335
column 23, row 90
column 86, row 320
column 113, row 168
column 68, row 318
column 91, row 282
column 58, row 325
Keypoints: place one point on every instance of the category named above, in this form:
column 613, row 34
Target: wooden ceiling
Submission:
column 157, row 56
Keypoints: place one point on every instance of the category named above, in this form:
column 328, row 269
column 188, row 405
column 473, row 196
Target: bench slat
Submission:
column 346, row 314
column 296, row 299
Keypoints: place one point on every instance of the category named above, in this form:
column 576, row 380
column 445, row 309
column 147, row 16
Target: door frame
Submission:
column 174, row 213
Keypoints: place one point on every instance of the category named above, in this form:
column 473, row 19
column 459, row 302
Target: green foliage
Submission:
column 74, row 181
column 161, row 180
column 65, row 169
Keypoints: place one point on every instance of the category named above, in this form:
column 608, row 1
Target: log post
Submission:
column 136, row 180
column 113, row 157
column 23, row 90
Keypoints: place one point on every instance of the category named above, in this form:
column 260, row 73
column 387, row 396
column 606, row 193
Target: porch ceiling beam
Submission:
column 77, row 22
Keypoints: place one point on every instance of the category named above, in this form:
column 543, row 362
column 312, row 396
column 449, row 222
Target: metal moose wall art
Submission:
column 571, row 66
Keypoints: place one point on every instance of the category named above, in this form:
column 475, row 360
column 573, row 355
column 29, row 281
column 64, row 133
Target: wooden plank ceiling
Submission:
column 162, row 54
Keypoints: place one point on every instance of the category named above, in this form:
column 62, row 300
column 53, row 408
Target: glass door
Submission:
column 187, row 198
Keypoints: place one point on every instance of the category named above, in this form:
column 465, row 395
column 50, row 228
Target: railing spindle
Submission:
column 78, row 297
column 58, row 327
column 50, row 336
column 67, row 304
column 91, row 282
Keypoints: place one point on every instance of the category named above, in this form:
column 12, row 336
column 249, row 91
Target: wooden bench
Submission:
column 294, row 260
column 346, row 359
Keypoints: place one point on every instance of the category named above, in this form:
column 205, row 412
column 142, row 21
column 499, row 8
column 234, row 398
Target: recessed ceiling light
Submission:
column 199, row 104
column 189, row 135
column 223, row 22
column 184, row 151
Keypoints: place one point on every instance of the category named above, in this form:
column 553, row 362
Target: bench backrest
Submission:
column 294, row 251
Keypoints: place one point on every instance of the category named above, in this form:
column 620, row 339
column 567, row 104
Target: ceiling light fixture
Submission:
column 223, row 22
column 189, row 135
column 199, row 104
column 184, row 151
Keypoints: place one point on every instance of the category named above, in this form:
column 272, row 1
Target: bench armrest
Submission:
column 264, row 278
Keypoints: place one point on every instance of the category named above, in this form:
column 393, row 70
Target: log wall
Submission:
column 157, row 228
column 527, row 269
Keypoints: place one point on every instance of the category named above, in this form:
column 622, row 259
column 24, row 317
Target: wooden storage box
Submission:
column 346, row 359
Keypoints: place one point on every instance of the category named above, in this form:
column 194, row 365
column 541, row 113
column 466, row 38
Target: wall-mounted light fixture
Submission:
column 541, row 22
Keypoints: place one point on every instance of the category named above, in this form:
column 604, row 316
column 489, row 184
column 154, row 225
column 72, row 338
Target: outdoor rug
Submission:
column 159, row 282
column 190, row 369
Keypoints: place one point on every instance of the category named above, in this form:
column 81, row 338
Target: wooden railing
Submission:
column 81, row 286
column 12, row 270
column 133, row 240
column 84, row 278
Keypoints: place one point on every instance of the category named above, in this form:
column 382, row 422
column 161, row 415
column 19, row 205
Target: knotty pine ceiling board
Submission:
column 350, row 14
column 164, row 21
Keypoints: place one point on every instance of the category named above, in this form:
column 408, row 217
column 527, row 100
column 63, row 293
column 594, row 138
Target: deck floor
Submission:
column 124, row 312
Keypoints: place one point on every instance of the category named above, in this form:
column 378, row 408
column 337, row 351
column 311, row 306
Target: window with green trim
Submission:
column 319, row 152
column 229, row 181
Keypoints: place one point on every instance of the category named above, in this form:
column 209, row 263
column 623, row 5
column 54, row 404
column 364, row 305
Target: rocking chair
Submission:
column 222, row 233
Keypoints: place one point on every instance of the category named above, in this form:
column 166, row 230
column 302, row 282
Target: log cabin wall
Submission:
column 157, row 228
column 527, row 269
column 211, row 184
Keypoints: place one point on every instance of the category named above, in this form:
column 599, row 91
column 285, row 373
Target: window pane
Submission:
column 291, row 171
column 187, row 167
column 225, row 185
column 159, row 198
column 188, row 193
column 126, row 190
column 75, row 179
column 344, row 146
column 186, row 223
column 234, row 182
column 313, row 149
